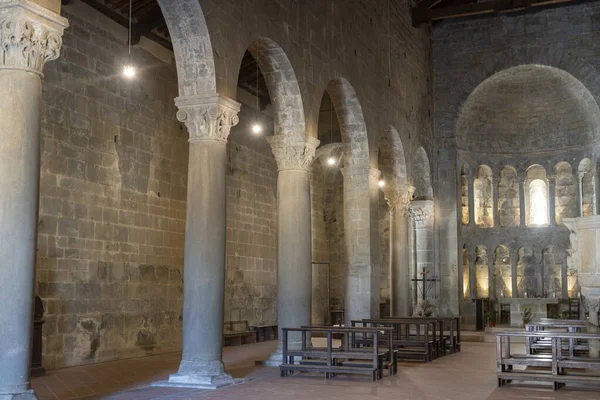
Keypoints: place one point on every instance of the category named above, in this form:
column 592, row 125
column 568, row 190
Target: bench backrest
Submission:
column 235, row 326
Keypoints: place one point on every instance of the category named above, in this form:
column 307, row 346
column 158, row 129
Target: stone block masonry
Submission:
column 112, row 203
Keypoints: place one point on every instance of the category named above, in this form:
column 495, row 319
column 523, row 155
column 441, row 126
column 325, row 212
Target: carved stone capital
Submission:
column 398, row 195
column 30, row 35
column 422, row 212
column 208, row 117
column 292, row 152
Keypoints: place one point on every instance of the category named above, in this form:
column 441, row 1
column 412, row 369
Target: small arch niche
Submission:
column 502, row 272
column 482, row 273
column 483, row 197
column 465, row 173
column 536, row 203
column 527, row 273
column 565, row 197
column 588, row 187
column 509, row 207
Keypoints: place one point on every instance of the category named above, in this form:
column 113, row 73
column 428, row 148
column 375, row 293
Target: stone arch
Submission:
column 552, row 267
column 502, row 272
column 482, row 273
column 527, row 273
column 588, row 188
column 565, row 195
column 509, row 206
column 465, row 173
column 282, row 84
column 422, row 175
column 536, row 196
column 351, row 121
column 191, row 45
column 451, row 110
column 483, row 193
column 392, row 161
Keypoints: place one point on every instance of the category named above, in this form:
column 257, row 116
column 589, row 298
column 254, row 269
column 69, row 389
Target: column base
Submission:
column 26, row 395
column 275, row 359
column 200, row 375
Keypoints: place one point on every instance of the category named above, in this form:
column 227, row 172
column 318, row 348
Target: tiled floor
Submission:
column 469, row 375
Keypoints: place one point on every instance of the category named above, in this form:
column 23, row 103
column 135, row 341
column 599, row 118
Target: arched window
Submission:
column 483, row 193
column 538, row 202
column 536, row 197
column 464, row 189
column 588, row 187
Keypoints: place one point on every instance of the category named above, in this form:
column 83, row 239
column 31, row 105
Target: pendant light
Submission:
column 129, row 69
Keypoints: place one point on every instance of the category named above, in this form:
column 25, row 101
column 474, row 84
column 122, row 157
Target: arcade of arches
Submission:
column 282, row 163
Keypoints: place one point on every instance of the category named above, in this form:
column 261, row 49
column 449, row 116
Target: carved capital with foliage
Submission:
column 398, row 195
column 30, row 35
column 208, row 117
column 293, row 152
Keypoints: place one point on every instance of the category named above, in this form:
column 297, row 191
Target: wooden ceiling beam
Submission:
column 421, row 16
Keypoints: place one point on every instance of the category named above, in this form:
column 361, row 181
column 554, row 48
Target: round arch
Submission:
column 422, row 175
column 191, row 46
column 392, row 160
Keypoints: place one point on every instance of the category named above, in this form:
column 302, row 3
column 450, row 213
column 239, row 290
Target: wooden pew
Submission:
column 413, row 338
column 265, row 332
column 452, row 324
column 537, row 344
column 332, row 361
column 555, row 368
column 236, row 333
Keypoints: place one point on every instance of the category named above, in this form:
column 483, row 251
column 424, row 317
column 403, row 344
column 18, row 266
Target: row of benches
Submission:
column 370, row 346
column 236, row 333
column 550, row 355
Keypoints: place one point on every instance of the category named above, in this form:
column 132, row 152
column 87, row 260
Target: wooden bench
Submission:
column 236, row 333
column 555, row 368
column 332, row 361
column 451, row 325
column 543, row 344
column 265, row 332
column 415, row 339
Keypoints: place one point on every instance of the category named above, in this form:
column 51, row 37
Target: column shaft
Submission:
column 471, row 190
column 31, row 35
column 400, row 273
column 209, row 120
column 522, row 207
column 19, row 178
column 495, row 203
column 579, row 211
column 552, row 201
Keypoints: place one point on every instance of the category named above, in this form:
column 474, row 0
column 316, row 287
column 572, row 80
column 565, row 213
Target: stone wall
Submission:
column 251, row 274
column 112, row 202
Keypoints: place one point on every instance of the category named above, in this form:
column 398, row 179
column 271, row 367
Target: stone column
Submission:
column 375, row 281
column 495, row 203
column 472, row 278
column 30, row 35
column 522, row 207
column 471, row 190
column 422, row 212
column 398, row 196
column 294, row 156
column 552, row 200
column 491, row 277
column 208, row 120
column 513, row 271
column 579, row 211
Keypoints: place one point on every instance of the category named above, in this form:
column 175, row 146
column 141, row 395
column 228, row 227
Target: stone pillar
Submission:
column 491, row 277
column 294, row 155
column 579, row 211
column 472, row 278
column 357, row 232
column 398, row 196
column 30, row 35
column 422, row 212
column 552, row 200
column 208, row 120
column 471, row 190
column 522, row 207
column 495, row 203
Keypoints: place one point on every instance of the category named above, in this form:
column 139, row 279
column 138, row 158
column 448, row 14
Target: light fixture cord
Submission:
column 129, row 39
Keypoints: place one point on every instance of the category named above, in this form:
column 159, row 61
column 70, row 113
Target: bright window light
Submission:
column 538, row 202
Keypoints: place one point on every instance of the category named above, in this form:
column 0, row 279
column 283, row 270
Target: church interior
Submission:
column 267, row 199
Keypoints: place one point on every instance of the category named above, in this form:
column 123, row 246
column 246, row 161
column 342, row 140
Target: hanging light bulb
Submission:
column 256, row 128
column 381, row 183
column 331, row 161
column 129, row 69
